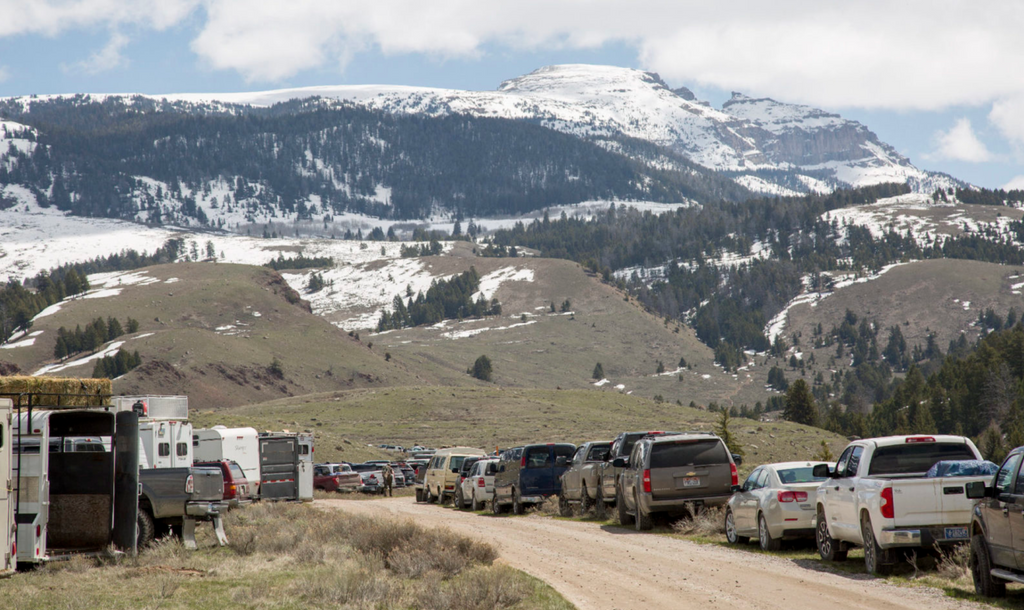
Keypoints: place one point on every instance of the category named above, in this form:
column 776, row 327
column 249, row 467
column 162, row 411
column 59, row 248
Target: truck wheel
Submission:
column 430, row 498
column 624, row 517
column 643, row 520
column 828, row 548
column 460, row 502
column 517, row 504
column 765, row 537
column 419, row 495
column 564, row 508
column 730, row 529
column 146, row 530
column 496, row 508
column 600, row 506
column 585, row 502
column 878, row 561
column 981, row 570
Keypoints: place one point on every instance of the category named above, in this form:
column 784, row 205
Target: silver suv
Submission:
column 672, row 474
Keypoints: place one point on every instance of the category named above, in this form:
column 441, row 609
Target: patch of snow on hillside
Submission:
column 110, row 350
column 24, row 343
column 462, row 334
column 760, row 185
column 601, row 383
column 490, row 283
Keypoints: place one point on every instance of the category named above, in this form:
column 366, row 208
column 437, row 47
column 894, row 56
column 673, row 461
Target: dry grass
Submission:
column 292, row 555
column 705, row 523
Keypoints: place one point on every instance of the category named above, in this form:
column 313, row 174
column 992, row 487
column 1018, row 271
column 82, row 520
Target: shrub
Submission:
column 481, row 369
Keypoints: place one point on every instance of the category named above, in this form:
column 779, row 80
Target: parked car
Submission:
column 421, row 492
column 996, row 541
column 443, row 472
column 878, row 497
column 479, row 484
column 237, row 489
column 580, row 483
column 407, row 471
column 622, row 446
column 776, row 502
column 462, row 498
column 335, row 477
column 670, row 474
column 373, row 478
column 528, row 475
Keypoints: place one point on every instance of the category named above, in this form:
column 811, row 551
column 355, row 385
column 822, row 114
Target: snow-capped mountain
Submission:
column 749, row 137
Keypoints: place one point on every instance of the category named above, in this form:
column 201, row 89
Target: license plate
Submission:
column 956, row 533
column 691, row 482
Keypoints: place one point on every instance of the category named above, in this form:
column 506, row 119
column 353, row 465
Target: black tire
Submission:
column 146, row 530
column 981, row 570
column 474, row 504
column 643, row 520
column 877, row 560
column 517, row 504
column 730, row 529
column 585, row 502
column 419, row 495
column 564, row 508
column 429, row 497
column 624, row 517
column 828, row 549
column 460, row 501
column 764, row 537
column 496, row 508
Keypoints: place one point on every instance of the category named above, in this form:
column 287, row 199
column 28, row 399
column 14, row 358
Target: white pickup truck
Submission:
column 879, row 497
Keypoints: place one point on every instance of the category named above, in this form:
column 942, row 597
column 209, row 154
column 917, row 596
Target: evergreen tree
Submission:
column 481, row 369
column 598, row 372
column 800, row 407
column 723, row 432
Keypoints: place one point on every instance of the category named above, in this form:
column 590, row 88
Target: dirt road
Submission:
column 612, row 567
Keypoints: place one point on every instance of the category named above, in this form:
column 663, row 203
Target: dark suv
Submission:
column 529, row 474
column 670, row 474
column 608, row 474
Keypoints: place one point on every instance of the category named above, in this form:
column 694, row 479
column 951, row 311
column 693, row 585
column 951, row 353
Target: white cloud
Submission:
column 52, row 17
column 4, row 73
column 107, row 58
column 960, row 143
column 1008, row 116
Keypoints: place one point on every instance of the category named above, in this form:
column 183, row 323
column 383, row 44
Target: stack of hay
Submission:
column 73, row 392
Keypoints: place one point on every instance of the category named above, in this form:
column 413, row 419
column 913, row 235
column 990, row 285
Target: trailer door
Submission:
column 7, row 530
column 279, row 464
column 126, row 481
column 305, row 468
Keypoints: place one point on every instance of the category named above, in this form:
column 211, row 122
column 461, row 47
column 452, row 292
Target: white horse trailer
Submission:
column 165, row 436
column 239, row 444
column 8, row 543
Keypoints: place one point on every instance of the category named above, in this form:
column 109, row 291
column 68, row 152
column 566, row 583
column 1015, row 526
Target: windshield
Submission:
column 916, row 458
column 684, row 453
column 798, row 475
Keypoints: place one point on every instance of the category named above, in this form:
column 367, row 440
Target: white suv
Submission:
column 478, row 486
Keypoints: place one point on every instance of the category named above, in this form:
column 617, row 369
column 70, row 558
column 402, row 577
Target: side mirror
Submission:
column 560, row 460
column 821, row 471
column 620, row 462
column 455, row 470
column 736, row 488
column 737, row 459
column 976, row 490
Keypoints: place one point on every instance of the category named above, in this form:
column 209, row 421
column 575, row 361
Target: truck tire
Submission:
column 877, row 560
column 419, row 495
column 430, row 498
column 585, row 502
column 828, row 548
column 643, row 520
column 730, row 529
column 765, row 537
column 624, row 517
column 517, row 504
column 564, row 508
column 146, row 530
column 460, row 502
column 981, row 570
column 496, row 509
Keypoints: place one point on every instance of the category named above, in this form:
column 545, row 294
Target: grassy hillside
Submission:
column 212, row 331
column 488, row 417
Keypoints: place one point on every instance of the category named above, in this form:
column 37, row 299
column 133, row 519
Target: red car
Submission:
column 237, row 491
column 335, row 477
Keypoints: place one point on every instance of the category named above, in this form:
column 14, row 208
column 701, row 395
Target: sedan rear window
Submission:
column 798, row 475
column 684, row 453
column 916, row 458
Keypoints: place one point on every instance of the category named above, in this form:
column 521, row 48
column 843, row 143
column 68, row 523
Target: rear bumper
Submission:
column 650, row 505
column 918, row 537
column 204, row 510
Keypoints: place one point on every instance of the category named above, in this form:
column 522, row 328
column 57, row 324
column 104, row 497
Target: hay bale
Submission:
column 50, row 391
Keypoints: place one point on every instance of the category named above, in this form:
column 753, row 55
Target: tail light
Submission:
column 735, row 475
column 887, row 508
column 792, row 496
column 337, row 480
column 480, row 482
column 230, row 492
column 920, row 439
column 39, row 531
column 190, row 485
column 522, row 461
column 647, row 480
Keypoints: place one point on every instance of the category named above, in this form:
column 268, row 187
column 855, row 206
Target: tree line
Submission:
column 90, row 339
column 450, row 299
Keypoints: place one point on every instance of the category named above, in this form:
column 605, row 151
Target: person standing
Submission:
column 389, row 477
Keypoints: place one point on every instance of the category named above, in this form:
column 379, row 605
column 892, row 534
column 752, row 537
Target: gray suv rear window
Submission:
column 683, row 453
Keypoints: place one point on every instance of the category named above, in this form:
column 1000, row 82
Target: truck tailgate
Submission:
column 208, row 484
column 932, row 501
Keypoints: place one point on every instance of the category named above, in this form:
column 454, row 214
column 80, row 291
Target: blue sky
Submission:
column 948, row 92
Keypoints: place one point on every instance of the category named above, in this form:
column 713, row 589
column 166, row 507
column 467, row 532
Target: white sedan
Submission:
column 776, row 502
